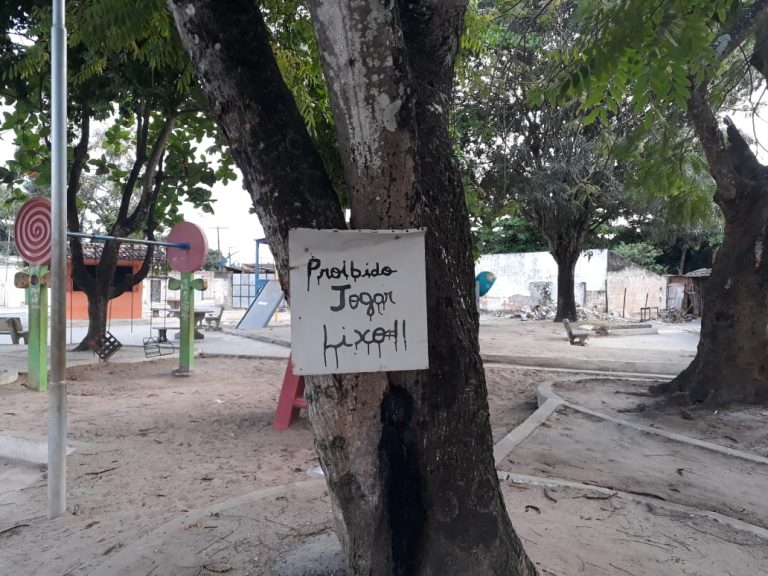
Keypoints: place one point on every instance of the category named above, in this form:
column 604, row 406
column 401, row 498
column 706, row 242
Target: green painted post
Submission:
column 187, row 286
column 187, row 317
column 37, row 349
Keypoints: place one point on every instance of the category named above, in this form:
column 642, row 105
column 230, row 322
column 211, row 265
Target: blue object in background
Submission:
column 485, row 281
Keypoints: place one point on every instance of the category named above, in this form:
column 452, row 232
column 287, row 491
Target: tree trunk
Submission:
column 683, row 254
column 408, row 455
column 731, row 363
column 419, row 493
column 566, row 272
column 101, row 289
column 98, row 307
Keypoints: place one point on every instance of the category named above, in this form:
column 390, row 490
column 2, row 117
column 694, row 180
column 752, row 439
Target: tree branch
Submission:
column 746, row 24
column 150, row 189
column 281, row 167
column 142, row 137
column 79, row 158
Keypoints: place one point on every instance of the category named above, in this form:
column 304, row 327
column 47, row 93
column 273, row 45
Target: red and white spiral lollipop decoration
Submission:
column 32, row 231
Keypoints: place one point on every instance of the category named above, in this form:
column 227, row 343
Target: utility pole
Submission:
column 218, row 246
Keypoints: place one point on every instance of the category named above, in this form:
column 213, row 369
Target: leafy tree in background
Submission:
column 698, row 57
column 557, row 170
column 642, row 254
column 395, row 447
column 135, row 129
column 213, row 260
column 508, row 234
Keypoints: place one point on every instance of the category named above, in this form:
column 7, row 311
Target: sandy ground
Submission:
column 154, row 453
column 151, row 446
column 740, row 427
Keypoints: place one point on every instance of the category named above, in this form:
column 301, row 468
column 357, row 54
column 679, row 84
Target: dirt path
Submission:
column 150, row 446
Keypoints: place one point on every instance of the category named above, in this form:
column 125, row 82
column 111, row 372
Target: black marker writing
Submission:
column 351, row 272
column 373, row 303
column 377, row 337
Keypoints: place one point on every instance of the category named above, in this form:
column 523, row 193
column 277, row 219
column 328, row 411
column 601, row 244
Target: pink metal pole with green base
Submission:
column 187, row 261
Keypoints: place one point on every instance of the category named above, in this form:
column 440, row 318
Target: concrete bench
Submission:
column 213, row 319
column 575, row 337
column 12, row 327
column 162, row 331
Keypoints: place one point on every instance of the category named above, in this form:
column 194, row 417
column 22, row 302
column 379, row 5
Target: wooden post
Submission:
column 624, row 305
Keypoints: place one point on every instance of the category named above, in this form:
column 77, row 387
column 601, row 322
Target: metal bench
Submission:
column 12, row 327
column 575, row 337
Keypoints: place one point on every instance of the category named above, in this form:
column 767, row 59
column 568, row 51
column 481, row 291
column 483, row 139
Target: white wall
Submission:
column 515, row 272
column 10, row 296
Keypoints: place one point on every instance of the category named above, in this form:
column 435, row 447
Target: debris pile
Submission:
column 538, row 312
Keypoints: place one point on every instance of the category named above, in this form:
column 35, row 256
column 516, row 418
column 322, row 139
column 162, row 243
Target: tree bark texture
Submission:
column 566, row 259
column 408, row 455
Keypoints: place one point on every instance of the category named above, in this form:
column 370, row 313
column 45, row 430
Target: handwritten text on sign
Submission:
column 358, row 301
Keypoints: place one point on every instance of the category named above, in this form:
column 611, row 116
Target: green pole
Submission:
column 187, row 286
column 37, row 349
column 187, row 320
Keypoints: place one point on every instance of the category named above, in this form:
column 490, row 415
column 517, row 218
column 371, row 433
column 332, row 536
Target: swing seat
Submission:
column 106, row 346
column 154, row 347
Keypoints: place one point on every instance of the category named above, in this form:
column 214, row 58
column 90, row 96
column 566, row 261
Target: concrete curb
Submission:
column 29, row 450
column 242, row 356
column 525, row 480
column 591, row 364
column 8, row 376
column 546, row 393
column 260, row 337
column 504, row 447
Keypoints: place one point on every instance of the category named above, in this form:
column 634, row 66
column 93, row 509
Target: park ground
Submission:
column 186, row 476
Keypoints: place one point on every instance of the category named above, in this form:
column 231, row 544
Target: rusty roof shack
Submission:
column 685, row 292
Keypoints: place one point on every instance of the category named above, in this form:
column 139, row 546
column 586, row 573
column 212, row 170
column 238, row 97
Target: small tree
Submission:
column 559, row 172
column 128, row 78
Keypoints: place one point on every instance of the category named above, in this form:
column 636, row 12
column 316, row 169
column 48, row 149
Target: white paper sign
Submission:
column 358, row 301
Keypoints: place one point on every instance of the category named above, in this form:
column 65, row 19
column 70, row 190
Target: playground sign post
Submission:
column 358, row 301
column 32, row 230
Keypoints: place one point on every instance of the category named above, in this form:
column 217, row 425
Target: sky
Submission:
column 237, row 227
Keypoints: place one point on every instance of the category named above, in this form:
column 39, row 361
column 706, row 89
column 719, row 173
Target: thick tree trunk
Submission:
column 731, row 363
column 101, row 289
column 408, row 455
column 419, row 493
column 566, row 272
column 683, row 254
column 228, row 43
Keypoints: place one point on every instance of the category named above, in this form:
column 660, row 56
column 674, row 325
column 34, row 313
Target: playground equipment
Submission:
column 187, row 251
column 291, row 399
column 269, row 295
